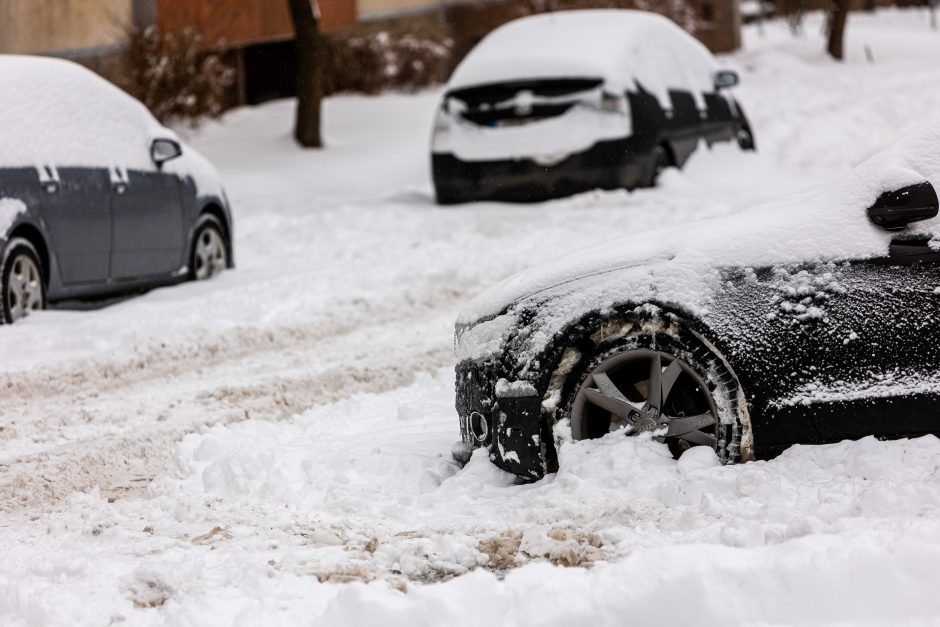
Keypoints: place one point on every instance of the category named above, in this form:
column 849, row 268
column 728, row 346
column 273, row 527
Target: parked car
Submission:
column 560, row 103
column 810, row 320
column 96, row 197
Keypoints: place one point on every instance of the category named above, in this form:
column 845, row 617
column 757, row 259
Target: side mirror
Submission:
column 896, row 209
column 163, row 150
column 726, row 79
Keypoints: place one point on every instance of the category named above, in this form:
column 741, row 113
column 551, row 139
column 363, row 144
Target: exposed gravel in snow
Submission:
column 261, row 442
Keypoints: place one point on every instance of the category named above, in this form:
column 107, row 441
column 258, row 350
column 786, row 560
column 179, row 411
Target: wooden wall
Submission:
column 242, row 22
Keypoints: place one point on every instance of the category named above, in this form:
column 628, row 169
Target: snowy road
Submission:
column 231, row 453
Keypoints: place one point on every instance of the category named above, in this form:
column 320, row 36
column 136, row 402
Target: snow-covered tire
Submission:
column 22, row 288
column 697, row 364
column 209, row 253
column 658, row 162
column 746, row 140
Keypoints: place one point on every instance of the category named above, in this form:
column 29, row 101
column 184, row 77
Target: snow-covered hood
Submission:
column 622, row 47
column 679, row 265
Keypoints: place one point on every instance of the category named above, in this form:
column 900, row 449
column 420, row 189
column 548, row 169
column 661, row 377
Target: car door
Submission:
column 146, row 224
column 76, row 213
column 837, row 350
column 684, row 125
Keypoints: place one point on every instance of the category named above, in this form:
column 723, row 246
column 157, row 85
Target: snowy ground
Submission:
column 273, row 447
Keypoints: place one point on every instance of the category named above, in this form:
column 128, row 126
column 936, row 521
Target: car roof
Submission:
column 622, row 47
column 56, row 112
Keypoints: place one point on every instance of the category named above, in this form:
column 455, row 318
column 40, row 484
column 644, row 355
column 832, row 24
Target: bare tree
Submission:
column 838, row 16
column 306, row 17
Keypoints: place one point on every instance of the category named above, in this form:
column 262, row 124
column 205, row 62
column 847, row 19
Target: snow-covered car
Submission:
column 96, row 197
column 560, row 103
column 808, row 320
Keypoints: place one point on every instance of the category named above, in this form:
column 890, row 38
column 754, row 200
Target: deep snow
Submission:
column 273, row 447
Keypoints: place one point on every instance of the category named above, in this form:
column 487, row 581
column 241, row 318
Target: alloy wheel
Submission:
column 210, row 257
column 24, row 287
column 646, row 390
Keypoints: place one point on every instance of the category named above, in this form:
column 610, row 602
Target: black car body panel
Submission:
column 824, row 309
column 808, row 375
column 648, row 103
column 609, row 164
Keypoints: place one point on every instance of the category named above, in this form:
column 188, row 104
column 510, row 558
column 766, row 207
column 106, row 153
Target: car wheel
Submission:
column 210, row 251
column 660, row 384
column 22, row 285
column 659, row 161
column 746, row 140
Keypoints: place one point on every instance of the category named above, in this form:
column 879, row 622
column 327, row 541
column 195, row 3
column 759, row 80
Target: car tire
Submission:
column 701, row 385
column 209, row 254
column 658, row 162
column 746, row 140
column 22, row 289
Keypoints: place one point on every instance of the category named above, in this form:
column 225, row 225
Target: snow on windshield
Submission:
column 621, row 47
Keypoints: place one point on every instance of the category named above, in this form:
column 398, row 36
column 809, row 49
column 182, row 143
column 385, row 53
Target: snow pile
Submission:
column 621, row 47
column 268, row 517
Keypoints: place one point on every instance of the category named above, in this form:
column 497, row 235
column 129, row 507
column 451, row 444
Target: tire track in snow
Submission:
column 115, row 424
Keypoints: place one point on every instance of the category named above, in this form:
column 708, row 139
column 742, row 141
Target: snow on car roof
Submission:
column 676, row 265
column 55, row 112
column 622, row 47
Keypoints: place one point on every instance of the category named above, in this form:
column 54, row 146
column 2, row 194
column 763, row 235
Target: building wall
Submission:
column 243, row 22
column 68, row 27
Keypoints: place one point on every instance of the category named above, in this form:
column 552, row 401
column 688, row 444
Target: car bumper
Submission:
column 606, row 165
column 502, row 417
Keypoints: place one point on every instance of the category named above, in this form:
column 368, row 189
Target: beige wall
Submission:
column 31, row 26
column 370, row 8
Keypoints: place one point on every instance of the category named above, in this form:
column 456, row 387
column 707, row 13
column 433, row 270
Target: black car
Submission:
column 810, row 320
column 555, row 104
column 96, row 197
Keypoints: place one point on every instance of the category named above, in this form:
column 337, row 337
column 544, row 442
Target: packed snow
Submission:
column 273, row 446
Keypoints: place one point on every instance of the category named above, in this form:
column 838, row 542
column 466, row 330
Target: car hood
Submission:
column 679, row 265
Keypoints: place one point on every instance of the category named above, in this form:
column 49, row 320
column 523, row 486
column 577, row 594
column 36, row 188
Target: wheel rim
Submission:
column 645, row 390
column 210, row 256
column 24, row 288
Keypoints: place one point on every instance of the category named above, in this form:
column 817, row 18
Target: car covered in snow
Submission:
column 812, row 319
column 96, row 197
column 560, row 103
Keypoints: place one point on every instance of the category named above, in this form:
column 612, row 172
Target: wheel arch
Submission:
column 32, row 234
column 215, row 209
column 581, row 338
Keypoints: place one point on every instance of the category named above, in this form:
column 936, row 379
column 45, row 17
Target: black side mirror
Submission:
column 163, row 150
column 894, row 210
column 726, row 79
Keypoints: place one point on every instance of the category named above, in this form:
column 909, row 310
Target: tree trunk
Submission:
column 838, row 16
column 309, row 77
